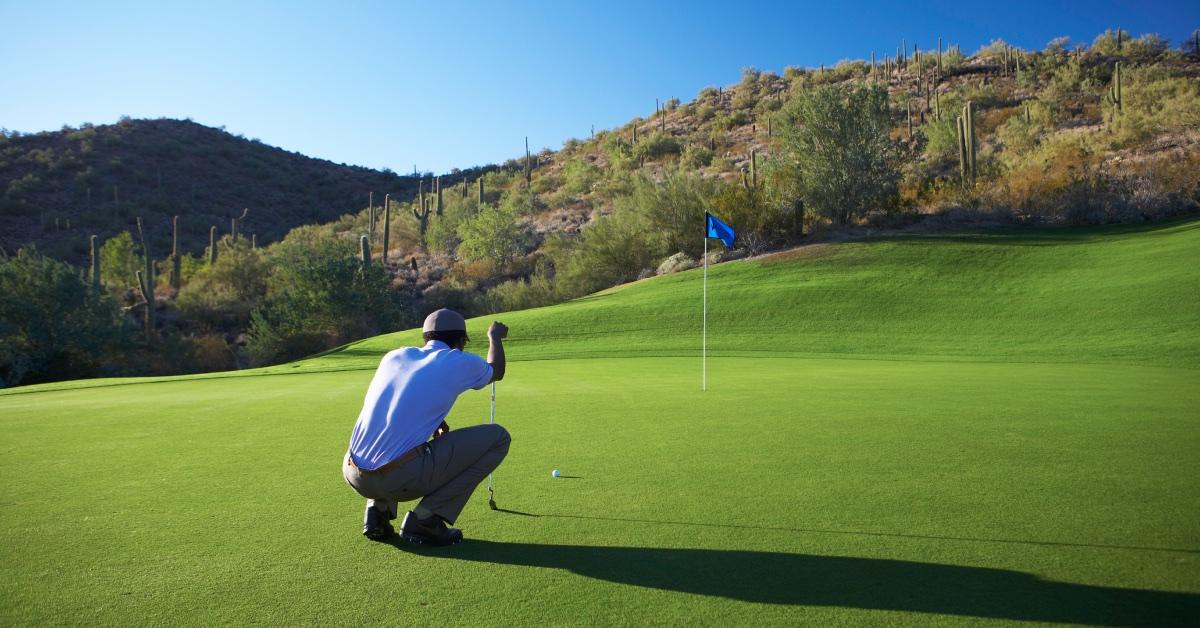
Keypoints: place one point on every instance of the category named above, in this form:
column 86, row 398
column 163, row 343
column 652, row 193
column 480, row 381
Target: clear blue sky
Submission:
column 454, row 84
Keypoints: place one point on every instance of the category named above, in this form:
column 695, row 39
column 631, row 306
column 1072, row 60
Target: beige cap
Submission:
column 444, row 320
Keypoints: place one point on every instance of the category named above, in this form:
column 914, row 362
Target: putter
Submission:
column 491, row 486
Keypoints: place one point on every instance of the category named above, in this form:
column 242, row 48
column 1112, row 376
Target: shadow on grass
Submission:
column 838, row 581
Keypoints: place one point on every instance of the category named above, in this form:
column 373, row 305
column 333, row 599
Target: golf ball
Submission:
column 555, row 473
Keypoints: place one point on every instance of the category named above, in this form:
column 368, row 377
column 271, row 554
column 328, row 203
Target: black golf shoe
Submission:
column 376, row 525
column 431, row 531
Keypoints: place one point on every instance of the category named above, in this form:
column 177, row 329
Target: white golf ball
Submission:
column 555, row 473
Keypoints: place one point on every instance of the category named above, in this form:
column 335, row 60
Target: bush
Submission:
column 578, row 177
column 696, row 156
column 521, row 294
column 52, row 327
column 320, row 296
column 656, row 146
column 608, row 251
column 672, row 210
column 119, row 262
column 494, row 234
column 227, row 292
column 835, row 144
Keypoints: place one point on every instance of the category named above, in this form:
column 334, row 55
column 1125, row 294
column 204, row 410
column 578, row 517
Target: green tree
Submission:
column 52, row 326
column 494, row 234
column 835, row 143
column 119, row 261
column 226, row 292
column 608, row 251
column 319, row 296
column 672, row 210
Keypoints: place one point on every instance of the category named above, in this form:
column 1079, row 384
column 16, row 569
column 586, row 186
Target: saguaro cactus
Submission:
column 387, row 225
column 212, row 245
column 528, row 171
column 371, row 216
column 966, row 144
column 480, row 182
column 438, row 190
column 753, row 168
column 95, row 265
column 146, row 281
column 176, row 262
column 1114, row 90
column 421, row 213
column 364, row 253
column 421, row 192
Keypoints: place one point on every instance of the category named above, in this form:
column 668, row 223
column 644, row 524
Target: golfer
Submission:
column 391, row 457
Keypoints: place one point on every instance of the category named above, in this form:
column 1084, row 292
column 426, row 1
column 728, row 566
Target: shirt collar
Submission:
column 436, row 344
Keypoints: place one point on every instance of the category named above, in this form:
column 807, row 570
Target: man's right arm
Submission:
column 496, row 334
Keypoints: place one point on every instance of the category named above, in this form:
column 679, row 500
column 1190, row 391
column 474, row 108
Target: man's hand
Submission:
column 442, row 430
column 496, row 333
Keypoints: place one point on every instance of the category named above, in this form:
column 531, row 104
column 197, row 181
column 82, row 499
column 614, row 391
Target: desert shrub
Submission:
column 1154, row 104
column 544, row 183
column 1035, row 181
column 520, row 294
column 442, row 232
column 494, row 234
column 610, row 250
column 228, row 291
column 619, row 152
column 318, row 296
column 672, row 210
column 705, row 111
column 696, row 156
column 765, row 215
column 737, row 117
column 119, row 262
column 211, row 353
column 52, row 326
column 834, row 142
column 578, row 177
column 656, row 146
column 1018, row 135
column 457, row 296
column 1106, row 43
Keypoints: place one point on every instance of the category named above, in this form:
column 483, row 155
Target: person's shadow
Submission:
column 865, row 583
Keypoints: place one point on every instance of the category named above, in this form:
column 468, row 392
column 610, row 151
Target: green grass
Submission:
column 924, row 430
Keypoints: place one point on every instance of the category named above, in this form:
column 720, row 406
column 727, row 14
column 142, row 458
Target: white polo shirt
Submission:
column 410, row 395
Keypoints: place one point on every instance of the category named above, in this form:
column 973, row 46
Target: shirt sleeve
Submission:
column 479, row 372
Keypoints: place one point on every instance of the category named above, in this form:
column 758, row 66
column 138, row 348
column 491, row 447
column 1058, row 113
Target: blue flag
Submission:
column 720, row 230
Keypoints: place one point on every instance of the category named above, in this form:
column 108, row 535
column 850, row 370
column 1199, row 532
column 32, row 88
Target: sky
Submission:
column 440, row 85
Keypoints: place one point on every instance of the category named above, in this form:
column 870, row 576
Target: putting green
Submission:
column 996, row 426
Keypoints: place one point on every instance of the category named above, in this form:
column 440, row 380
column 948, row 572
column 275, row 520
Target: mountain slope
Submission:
column 57, row 188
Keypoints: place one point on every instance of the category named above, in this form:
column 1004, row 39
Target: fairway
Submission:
column 918, row 430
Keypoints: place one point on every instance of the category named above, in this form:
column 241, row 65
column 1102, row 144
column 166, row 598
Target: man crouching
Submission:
column 391, row 457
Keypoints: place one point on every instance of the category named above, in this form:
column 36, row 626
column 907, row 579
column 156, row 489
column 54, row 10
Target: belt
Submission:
column 412, row 454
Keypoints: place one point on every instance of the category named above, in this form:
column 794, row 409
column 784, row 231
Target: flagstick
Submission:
column 704, row 326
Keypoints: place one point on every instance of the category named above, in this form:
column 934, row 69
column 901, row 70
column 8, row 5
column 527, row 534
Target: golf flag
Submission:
column 720, row 230
column 714, row 228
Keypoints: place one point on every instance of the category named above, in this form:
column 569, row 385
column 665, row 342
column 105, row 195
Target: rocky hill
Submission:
column 57, row 188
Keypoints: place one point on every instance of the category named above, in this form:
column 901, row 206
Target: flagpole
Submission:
column 704, row 326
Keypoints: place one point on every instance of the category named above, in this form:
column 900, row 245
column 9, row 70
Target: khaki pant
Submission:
column 443, row 477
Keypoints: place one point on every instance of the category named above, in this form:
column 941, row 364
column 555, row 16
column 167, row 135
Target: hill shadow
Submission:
column 840, row 581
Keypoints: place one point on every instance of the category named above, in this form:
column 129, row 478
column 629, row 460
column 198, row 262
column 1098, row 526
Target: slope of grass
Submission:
column 1026, row 451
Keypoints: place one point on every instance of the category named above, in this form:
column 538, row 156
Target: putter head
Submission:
column 492, row 503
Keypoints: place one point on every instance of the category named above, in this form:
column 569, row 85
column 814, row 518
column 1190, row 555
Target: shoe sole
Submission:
column 418, row 540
